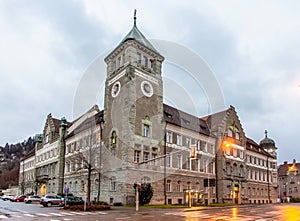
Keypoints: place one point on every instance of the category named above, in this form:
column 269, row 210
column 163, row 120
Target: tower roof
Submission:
column 267, row 142
column 136, row 34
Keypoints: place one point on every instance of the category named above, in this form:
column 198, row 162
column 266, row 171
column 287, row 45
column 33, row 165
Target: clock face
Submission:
column 147, row 88
column 115, row 90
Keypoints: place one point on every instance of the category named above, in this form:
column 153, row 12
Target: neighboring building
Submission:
column 137, row 138
column 289, row 180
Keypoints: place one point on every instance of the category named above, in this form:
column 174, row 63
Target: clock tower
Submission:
column 133, row 107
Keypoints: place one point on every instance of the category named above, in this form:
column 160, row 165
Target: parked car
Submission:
column 32, row 199
column 7, row 197
column 72, row 200
column 19, row 198
column 50, row 200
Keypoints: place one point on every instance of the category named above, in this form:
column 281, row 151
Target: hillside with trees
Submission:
column 10, row 156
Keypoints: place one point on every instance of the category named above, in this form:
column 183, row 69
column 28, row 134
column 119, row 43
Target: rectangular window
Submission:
column 168, row 161
column 178, row 189
column 169, row 137
column 146, row 156
column 234, row 152
column 154, row 162
column 146, row 130
column 179, row 139
column 188, row 142
column 168, row 186
column 136, row 158
column 139, row 58
column 145, row 61
column 204, row 166
column 179, row 158
column 152, row 64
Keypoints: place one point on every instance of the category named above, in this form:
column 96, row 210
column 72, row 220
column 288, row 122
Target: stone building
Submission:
column 138, row 138
column 289, row 180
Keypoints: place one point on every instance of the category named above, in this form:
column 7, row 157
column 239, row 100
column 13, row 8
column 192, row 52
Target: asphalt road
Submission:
column 33, row 212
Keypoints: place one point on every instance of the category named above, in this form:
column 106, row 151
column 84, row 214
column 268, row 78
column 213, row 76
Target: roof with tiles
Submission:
column 185, row 120
column 251, row 145
column 88, row 123
column 284, row 168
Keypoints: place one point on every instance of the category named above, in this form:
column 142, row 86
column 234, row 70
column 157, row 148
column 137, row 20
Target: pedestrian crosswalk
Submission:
column 202, row 215
column 50, row 214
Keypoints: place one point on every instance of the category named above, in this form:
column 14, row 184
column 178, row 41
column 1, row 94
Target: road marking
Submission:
column 78, row 213
column 121, row 218
column 102, row 213
column 42, row 214
column 3, row 217
column 30, row 215
column 67, row 214
column 56, row 214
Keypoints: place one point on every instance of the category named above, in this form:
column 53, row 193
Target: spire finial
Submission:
column 134, row 17
column 266, row 133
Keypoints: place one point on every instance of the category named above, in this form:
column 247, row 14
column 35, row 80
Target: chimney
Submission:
column 285, row 162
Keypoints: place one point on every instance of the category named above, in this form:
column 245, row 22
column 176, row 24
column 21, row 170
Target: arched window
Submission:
column 113, row 139
column 235, row 169
column 113, row 186
column 168, row 187
column 146, row 179
column 146, row 126
column 178, row 188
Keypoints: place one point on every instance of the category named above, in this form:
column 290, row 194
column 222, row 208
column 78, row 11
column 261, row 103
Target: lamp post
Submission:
column 165, row 162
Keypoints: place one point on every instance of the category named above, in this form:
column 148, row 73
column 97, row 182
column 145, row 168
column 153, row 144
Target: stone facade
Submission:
column 137, row 138
column 289, row 181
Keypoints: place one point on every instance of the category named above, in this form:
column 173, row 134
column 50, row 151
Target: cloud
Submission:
column 252, row 47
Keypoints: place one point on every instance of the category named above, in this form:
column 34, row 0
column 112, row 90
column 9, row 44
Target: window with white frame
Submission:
column 179, row 160
column 113, row 186
column 154, row 162
column 179, row 139
column 169, row 137
column 146, row 130
column 168, row 186
column 178, row 188
column 188, row 142
column 136, row 157
column 168, row 161
column 146, row 156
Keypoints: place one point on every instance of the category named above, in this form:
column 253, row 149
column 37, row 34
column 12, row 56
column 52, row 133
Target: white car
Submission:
column 32, row 199
column 7, row 197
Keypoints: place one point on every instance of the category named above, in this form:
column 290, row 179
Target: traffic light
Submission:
column 134, row 186
column 193, row 151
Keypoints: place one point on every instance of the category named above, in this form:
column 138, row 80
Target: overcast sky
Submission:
column 251, row 46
